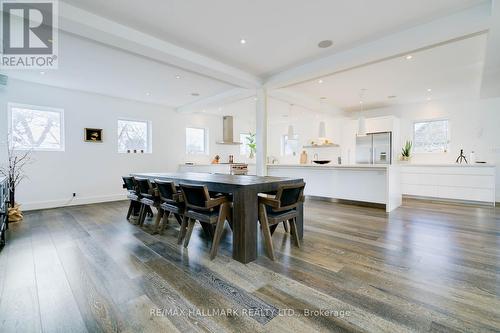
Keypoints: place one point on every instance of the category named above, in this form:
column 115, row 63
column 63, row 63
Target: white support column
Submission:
column 261, row 137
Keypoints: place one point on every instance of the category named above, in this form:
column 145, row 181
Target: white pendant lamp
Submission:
column 322, row 130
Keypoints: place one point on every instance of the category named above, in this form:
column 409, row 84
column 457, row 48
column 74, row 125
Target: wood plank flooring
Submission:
column 425, row 267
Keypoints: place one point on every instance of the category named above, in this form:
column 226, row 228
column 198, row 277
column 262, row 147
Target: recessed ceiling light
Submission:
column 195, row 94
column 255, row 99
column 320, row 81
column 325, row 44
column 177, row 76
column 360, row 102
column 148, row 94
column 409, row 57
column 429, row 90
column 243, row 41
column 42, row 73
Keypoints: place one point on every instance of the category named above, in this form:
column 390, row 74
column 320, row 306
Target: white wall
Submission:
column 306, row 125
column 474, row 126
column 93, row 170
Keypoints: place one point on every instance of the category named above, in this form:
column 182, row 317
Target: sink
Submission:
column 321, row 162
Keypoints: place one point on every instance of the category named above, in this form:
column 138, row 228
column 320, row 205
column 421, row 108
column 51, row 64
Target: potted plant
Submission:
column 251, row 144
column 14, row 171
column 406, row 151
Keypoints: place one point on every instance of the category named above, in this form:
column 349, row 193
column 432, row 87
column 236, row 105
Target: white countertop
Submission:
column 378, row 166
column 475, row 165
column 330, row 166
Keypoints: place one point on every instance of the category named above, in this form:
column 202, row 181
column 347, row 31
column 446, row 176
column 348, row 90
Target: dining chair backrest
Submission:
column 144, row 185
column 195, row 196
column 167, row 190
column 290, row 196
column 129, row 183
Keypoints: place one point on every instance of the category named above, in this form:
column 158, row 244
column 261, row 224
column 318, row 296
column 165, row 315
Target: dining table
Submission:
column 244, row 190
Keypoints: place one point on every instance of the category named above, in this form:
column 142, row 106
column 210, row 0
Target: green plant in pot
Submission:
column 251, row 144
column 406, row 151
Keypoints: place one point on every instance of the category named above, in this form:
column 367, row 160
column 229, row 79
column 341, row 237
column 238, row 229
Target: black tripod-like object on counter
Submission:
column 462, row 157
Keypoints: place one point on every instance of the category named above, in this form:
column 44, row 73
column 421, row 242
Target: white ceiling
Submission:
column 88, row 66
column 279, row 33
column 450, row 70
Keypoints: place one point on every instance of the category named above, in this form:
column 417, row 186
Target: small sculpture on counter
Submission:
column 461, row 158
column 216, row 159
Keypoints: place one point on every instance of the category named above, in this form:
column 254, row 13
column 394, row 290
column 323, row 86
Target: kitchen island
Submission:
column 378, row 184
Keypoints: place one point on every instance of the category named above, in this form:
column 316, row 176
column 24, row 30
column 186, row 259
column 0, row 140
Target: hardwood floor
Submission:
column 424, row 267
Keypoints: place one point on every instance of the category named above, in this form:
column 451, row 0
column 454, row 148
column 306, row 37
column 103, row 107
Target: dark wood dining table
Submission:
column 245, row 190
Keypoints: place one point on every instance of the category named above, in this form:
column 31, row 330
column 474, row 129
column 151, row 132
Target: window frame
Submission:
column 448, row 136
column 244, row 144
column 149, row 140
column 205, row 141
column 62, row 126
column 284, row 142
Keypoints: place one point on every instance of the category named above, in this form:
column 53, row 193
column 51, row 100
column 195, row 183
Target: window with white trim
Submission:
column 134, row 136
column 289, row 147
column 431, row 136
column 36, row 127
column 196, row 141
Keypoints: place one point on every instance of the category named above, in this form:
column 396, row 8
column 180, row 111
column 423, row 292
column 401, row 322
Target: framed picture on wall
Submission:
column 93, row 134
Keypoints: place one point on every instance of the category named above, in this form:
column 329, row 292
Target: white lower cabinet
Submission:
column 468, row 183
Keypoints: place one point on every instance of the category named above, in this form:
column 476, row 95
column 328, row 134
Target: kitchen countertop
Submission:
column 216, row 164
column 480, row 165
column 330, row 166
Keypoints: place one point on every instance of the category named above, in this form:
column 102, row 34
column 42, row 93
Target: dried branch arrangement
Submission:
column 14, row 171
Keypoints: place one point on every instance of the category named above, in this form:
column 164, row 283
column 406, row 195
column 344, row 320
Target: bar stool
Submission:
column 147, row 198
column 135, row 204
column 205, row 209
column 281, row 208
column 171, row 202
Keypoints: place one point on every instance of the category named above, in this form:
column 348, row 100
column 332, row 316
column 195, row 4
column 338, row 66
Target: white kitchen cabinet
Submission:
column 456, row 182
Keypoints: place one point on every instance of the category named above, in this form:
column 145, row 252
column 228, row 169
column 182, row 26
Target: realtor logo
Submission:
column 29, row 31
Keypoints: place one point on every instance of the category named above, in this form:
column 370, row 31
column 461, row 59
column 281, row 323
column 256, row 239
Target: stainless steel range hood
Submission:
column 227, row 132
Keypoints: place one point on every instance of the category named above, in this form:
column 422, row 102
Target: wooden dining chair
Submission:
column 281, row 208
column 205, row 209
column 133, row 196
column 147, row 198
column 171, row 203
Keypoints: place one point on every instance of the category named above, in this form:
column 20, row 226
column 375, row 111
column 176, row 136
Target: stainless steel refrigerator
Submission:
column 374, row 148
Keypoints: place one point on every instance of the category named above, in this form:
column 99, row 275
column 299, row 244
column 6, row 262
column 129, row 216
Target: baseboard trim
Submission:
column 450, row 201
column 347, row 202
column 72, row 202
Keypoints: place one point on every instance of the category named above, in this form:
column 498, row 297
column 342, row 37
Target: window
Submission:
column 245, row 139
column 36, row 127
column 431, row 136
column 289, row 147
column 196, row 141
column 134, row 135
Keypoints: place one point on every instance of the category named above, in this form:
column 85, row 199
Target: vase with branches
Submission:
column 251, row 144
column 14, row 171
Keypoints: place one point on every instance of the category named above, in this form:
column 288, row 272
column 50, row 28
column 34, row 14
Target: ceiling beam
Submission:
column 490, row 85
column 88, row 25
column 303, row 100
column 218, row 100
column 465, row 23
